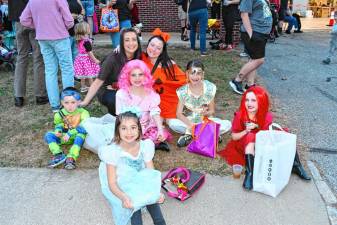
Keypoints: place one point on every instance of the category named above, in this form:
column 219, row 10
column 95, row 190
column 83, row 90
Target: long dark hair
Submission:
column 164, row 60
column 137, row 55
column 119, row 119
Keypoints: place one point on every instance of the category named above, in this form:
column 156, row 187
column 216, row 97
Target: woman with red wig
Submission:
column 252, row 116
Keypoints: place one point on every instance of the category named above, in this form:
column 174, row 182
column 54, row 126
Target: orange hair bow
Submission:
column 163, row 35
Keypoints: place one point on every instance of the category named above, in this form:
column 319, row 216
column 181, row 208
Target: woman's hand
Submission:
column 251, row 126
column 127, row 202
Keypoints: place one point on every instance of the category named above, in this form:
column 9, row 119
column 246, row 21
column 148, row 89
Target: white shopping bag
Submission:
column 274, row 157
column 100, row 131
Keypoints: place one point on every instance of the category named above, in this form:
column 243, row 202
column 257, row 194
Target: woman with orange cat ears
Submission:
column 167, row 75
column 68, row 130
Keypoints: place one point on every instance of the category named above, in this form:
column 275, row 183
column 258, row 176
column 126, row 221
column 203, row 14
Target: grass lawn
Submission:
column 22, row 129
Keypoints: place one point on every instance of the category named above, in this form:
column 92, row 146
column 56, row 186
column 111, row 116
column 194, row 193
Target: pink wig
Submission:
column 124, row 76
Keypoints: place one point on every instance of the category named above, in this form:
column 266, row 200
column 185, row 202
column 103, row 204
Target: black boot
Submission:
column 182, row 36
column 248, row 181
column 299, row 170
column 163, row 146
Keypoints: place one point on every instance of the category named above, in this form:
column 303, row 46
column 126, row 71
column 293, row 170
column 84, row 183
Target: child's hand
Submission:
column 160, row 135
column 127, row 203
column 58, row 134
column 66, row 137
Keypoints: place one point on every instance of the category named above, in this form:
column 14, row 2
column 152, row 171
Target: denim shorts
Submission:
column 256, row 45
column 88, row 6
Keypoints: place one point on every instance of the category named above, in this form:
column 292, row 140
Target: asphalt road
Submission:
column 295, row 76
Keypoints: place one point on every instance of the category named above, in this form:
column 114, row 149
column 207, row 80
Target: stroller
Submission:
column 213, row 29
column 7, row 56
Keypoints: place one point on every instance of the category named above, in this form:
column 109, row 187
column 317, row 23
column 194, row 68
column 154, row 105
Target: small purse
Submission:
column 181, row 183
column 109, row 20
column 205, row 138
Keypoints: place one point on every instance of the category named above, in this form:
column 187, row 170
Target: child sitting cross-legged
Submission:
column 68, row 130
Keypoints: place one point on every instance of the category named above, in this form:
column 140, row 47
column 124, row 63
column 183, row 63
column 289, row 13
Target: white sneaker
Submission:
column 243, row 54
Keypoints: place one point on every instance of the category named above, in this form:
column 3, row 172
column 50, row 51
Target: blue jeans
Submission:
column 74, row 50
column 292, row 22
column 198, row 16
column 115, row 37
column 57, row 53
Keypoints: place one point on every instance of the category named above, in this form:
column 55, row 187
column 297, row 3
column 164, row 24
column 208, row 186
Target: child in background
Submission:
column 68, row 130
column 135, row 90
column 127, row 176
column 198, row 98
column 252, row 116
column 86, row 65
column 333, row 42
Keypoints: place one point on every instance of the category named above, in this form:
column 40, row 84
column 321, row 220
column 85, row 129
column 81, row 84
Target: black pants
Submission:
column 108, row 99
column 215, row 11
column 155, row 213
column 230, row 14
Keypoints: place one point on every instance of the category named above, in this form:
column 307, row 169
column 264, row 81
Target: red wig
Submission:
column 262, row 102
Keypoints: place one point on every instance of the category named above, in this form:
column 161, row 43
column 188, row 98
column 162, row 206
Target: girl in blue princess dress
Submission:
column 127, row 175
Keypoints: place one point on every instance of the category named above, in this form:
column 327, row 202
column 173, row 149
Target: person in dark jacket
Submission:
column 26, row 41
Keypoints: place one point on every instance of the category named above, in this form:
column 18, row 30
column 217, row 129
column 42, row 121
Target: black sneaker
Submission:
column 184, row 140
column 236, row 86
column 163, row 146
column 326, row 61
column 249, row 86
column 298, row 31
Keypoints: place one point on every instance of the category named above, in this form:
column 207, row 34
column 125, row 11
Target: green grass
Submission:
column 22, row 129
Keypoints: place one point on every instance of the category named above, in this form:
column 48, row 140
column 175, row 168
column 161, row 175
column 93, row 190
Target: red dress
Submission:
column 166, row 88
column 234, row 152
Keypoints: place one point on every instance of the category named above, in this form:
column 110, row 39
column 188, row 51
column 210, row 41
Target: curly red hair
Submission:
column 263, row 103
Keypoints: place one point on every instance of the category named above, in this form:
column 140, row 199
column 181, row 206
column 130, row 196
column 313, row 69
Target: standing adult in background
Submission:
column 182, row 15
column 230, row 14
column 256, row 26
column 26, row 41
column 197, row 13
column 89, row 7
column 51, row 24
column 216, row 8
column 77, row 11
column 124, row 16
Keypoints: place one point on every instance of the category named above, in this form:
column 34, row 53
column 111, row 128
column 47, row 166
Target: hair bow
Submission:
column 133, row 109
column 163, row 35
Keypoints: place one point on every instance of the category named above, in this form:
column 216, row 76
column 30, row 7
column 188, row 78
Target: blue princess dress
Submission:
column 140, row 184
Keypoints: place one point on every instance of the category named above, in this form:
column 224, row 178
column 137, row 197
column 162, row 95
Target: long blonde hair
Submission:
column 81, row 30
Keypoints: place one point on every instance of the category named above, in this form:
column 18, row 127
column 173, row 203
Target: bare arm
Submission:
column 159, row 124
column 181, row 116
column 246, row 23
column 93, row 58
column 92, row 91
column 249, row 127
column 131, row 3
column 112, row 181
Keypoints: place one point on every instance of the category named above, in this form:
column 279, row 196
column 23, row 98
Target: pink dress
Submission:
column 149, row 106
column 83, row 65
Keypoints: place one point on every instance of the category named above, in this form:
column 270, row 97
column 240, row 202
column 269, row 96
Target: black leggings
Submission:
column 108, row 99
column 155, row 213
column 230, row 14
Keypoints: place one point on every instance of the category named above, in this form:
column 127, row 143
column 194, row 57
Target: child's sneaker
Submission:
column 57, row 160
column 184, row 140
column 326, row 61
column 70, row 164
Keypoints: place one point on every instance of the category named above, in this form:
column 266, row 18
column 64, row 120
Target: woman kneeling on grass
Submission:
column 252, row 116
column 197, row 96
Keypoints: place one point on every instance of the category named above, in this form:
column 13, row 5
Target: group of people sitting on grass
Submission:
column 144, row 90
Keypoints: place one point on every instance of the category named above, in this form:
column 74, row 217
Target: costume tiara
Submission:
column 73, row 93
column 133, row 109
column 163, row 35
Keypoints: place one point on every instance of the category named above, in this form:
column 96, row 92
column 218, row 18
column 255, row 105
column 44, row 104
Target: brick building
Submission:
column 164, row 14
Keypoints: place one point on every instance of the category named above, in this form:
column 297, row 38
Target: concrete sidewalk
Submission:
column 53, row 197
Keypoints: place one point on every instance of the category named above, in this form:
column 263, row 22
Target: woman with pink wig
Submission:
column 135, row 93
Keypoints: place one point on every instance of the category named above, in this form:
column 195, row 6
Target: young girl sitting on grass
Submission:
column 252, row 116
column 198, row 98
column 127, row 176
column 135, row 89
column 86, row 65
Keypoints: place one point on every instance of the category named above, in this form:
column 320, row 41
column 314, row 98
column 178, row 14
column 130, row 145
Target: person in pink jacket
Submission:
column 51, row 23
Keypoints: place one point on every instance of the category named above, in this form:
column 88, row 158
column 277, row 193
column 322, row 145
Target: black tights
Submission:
column 155, row 213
